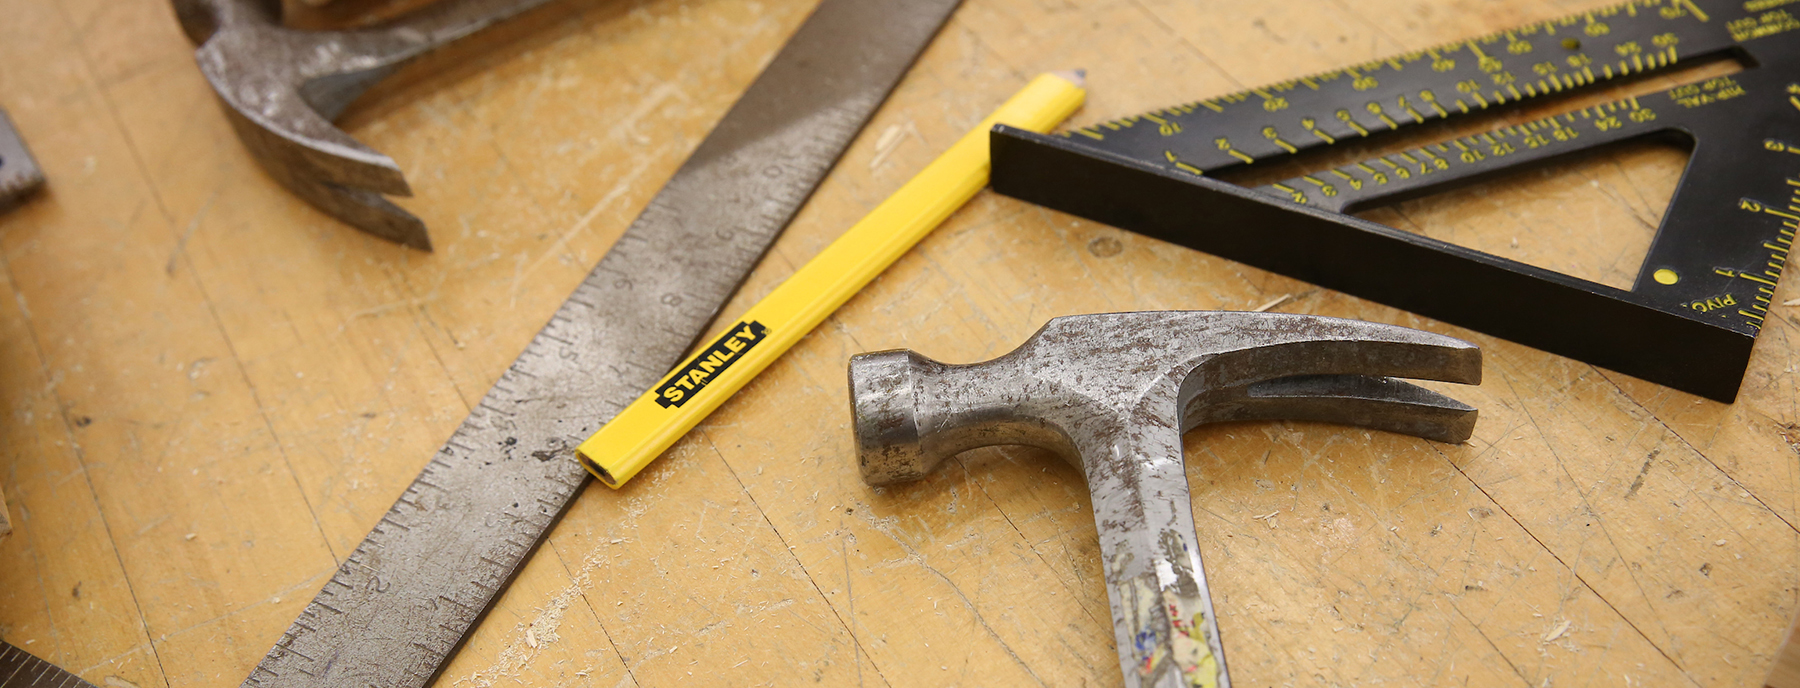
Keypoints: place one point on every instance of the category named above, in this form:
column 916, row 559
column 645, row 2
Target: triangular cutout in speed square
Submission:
column 1703, row 291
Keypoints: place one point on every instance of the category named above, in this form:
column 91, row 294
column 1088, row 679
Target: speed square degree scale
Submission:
column 1707, row 283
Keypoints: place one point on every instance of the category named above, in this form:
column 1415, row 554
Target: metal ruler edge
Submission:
column 404, row 601
column 21, row 669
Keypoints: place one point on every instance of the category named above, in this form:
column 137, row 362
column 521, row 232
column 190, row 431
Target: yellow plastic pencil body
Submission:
column 654, row 421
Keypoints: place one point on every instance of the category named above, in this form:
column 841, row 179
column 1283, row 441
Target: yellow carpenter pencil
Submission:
column 646, row 428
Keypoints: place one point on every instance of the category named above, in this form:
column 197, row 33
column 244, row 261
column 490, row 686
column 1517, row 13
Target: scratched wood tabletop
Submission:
column 211, row 391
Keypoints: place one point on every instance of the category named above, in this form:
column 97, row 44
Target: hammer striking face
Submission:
column 1112, row 394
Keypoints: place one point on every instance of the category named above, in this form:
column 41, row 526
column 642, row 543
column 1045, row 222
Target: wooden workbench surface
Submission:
column 211, row 391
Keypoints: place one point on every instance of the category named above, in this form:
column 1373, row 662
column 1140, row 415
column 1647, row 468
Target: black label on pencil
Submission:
column 694, row 376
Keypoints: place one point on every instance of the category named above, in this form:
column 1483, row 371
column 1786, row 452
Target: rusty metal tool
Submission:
column 281, row 88
column 21, row 669
column 401, row 604
column 19, row 173
column 1113, row 393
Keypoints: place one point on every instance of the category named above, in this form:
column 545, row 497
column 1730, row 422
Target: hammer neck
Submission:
column 963, row 407
column 913, row 412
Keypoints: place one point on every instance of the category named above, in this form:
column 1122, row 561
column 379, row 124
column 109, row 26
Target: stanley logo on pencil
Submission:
column 694, row 376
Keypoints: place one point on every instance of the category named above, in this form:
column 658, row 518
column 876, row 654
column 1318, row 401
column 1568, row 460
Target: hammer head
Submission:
column 1084, row 376
column 281, row 88
column 1113, row 393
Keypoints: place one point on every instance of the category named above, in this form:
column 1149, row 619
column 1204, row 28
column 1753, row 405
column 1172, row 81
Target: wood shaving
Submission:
column 1557, row 632
column 1273, row 303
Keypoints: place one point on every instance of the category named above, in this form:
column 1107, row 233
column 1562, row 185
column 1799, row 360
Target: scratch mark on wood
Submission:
column 1639, row 482
column 181, row 244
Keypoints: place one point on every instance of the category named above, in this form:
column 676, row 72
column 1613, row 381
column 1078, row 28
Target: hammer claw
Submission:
column 284, row 132
column 366, row 210
column 1259, row 346
column 281, row 88
column 1368, row 401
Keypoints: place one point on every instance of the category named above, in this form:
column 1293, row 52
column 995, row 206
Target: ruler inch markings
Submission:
column 631, row 319
column 25, row 670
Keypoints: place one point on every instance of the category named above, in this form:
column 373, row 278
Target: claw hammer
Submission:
column 281, row 88
column 1113, row 393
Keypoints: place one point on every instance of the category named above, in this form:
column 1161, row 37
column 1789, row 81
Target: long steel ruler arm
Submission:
column 1700, row 297
column 403, row 602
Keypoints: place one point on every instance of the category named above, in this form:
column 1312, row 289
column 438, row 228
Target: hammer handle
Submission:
column 1163, row 619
